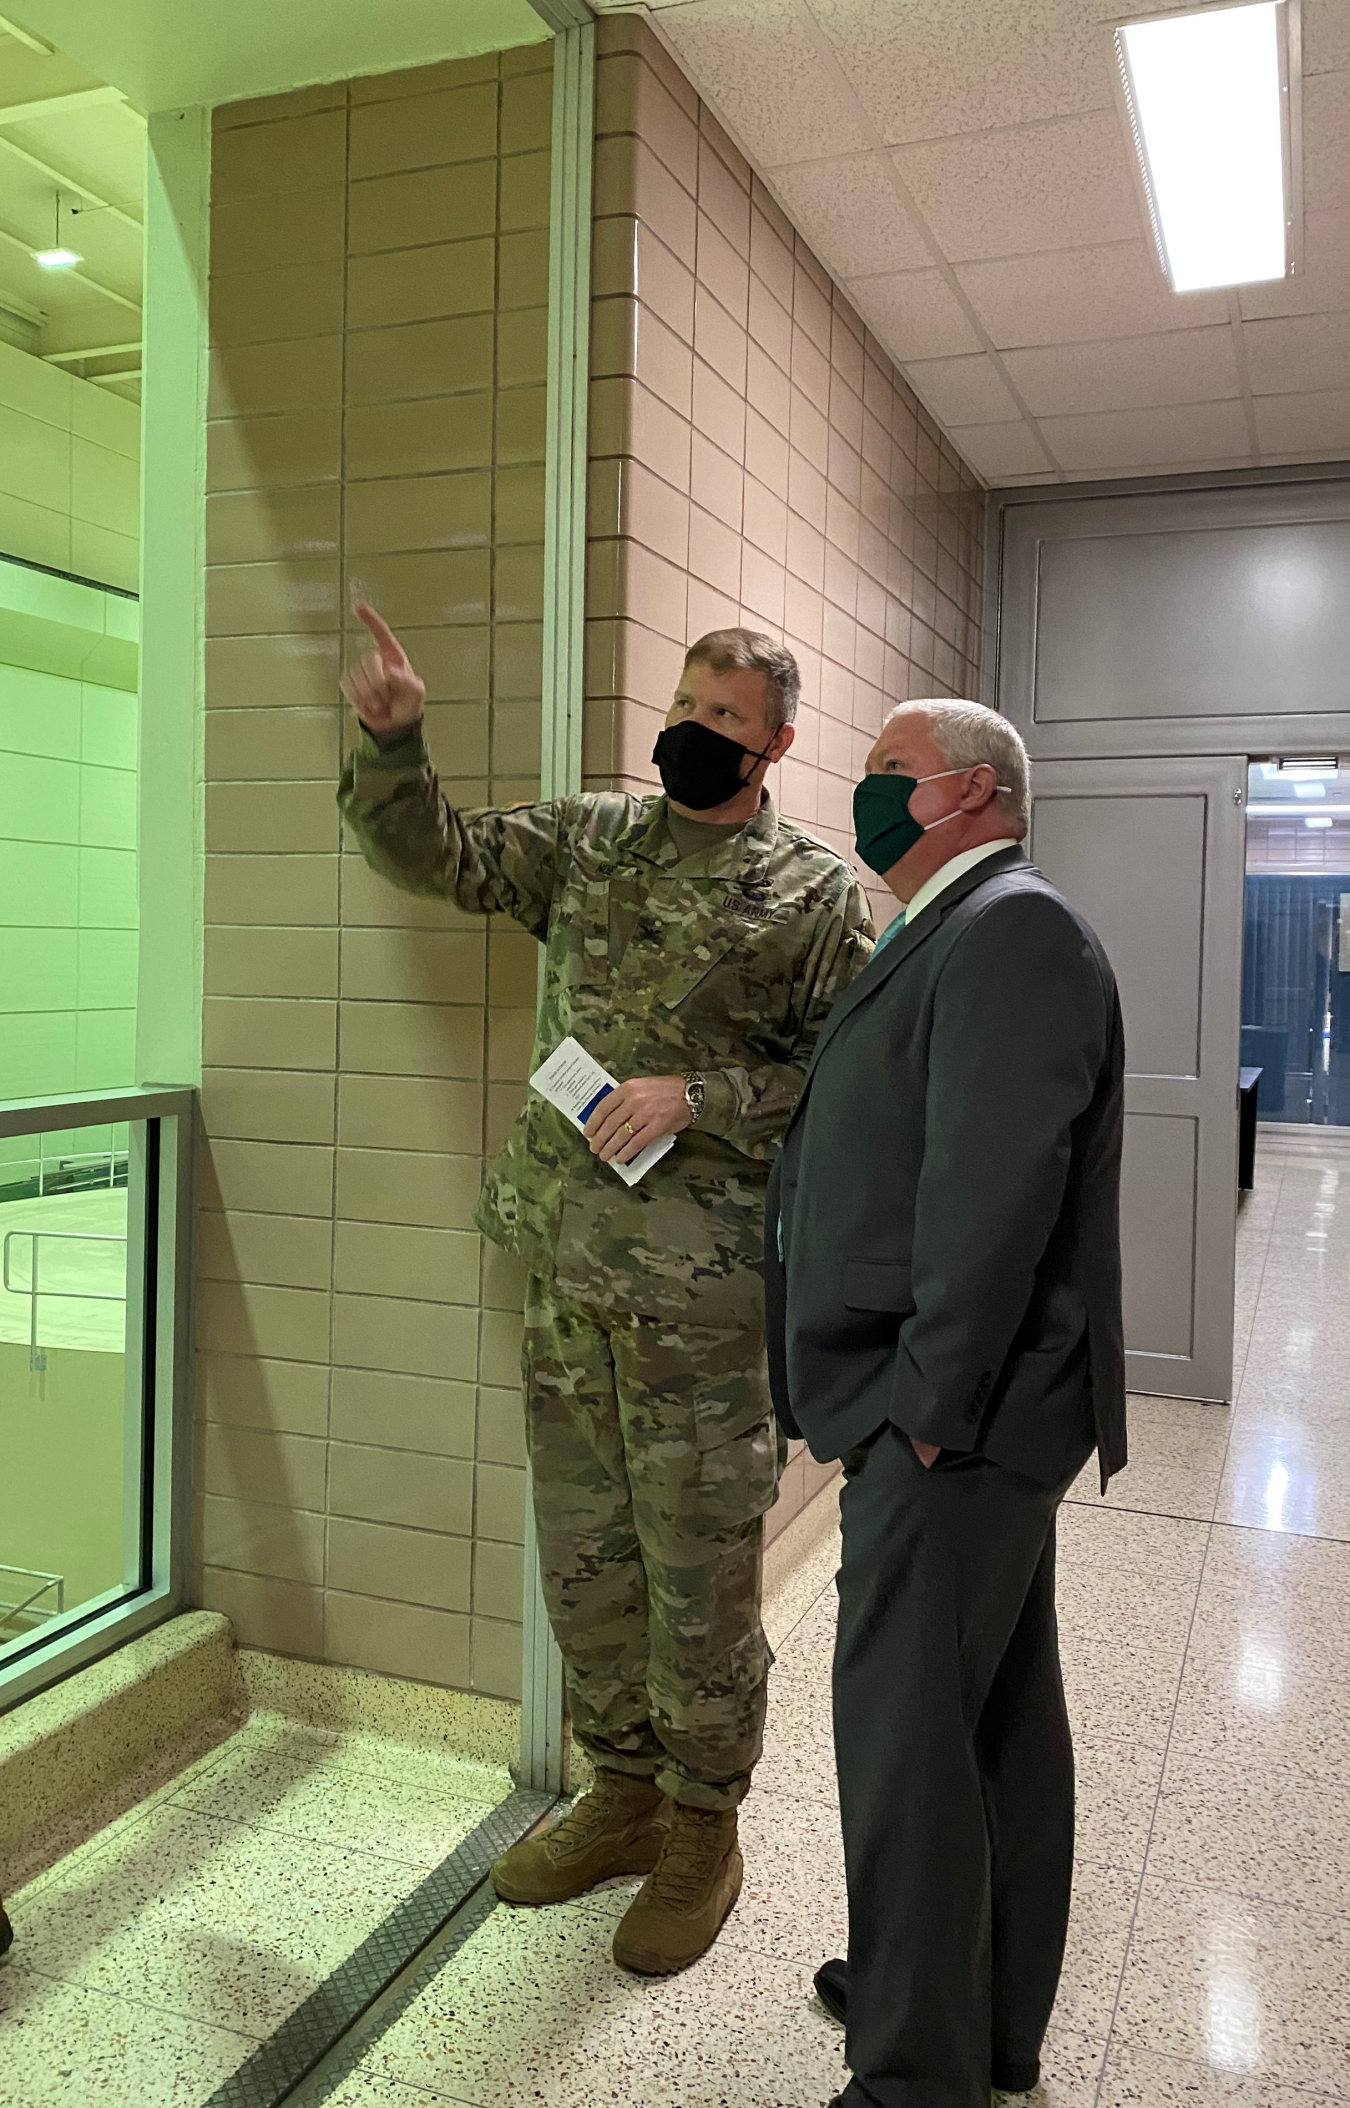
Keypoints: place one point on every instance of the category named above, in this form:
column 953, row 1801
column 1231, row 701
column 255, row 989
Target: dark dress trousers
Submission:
column 943, row 1262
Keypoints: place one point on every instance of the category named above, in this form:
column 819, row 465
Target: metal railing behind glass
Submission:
column 95, row 1262
column 37, row 1359
column 30, row 1610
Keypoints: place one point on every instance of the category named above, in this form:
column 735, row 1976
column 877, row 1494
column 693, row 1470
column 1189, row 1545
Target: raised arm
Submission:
column 500, row 862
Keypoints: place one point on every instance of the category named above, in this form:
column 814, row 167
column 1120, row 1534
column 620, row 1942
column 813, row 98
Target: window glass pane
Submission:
column 69, row 712
column 72, row 1215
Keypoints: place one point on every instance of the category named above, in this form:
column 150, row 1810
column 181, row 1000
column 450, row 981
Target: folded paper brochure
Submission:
column 575, row 1084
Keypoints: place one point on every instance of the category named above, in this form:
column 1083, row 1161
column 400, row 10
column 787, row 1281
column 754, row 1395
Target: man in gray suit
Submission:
column 943, row 1286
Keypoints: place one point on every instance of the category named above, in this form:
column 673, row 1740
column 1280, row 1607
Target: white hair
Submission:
column 969, row 733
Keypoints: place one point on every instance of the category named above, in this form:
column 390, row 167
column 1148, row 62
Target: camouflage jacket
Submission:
column 737, row 956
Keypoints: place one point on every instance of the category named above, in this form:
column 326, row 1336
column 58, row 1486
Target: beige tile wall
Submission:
column 70, row 472
column 755, row 458
column 378, row 301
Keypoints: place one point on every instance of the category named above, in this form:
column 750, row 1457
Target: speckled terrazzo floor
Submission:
column 149, row 1963
column 1209, row 1957
column 1206, row 1622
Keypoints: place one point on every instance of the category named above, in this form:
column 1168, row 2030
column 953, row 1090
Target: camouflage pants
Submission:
column 654, row 1458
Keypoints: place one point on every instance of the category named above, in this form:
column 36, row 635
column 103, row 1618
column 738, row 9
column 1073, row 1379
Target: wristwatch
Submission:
column 694, row 1094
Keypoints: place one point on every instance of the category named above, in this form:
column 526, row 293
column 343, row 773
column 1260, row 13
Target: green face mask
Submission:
column 882, row 822
column 883, row 825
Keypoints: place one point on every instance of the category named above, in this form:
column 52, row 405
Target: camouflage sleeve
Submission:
column 486, row 862
column 751, row 1107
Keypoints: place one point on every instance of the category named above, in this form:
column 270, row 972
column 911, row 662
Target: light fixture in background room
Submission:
column 1317, row 819
column 59, row 257
column 1306, row 771
column 1213, row 103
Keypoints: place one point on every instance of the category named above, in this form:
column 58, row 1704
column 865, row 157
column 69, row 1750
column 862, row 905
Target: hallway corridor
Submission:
column 1209, row 1957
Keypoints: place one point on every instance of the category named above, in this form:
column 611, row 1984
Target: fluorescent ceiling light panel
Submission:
column 1209, row 112
column 57, row 259
column 1317, row 820
column 1267, row 811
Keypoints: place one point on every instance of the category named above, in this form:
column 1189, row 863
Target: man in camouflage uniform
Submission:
column 694, row 944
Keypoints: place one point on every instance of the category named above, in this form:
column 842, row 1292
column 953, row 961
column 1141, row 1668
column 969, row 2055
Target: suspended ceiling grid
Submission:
column 65, row 133
column 76, row 77
column 962, row 168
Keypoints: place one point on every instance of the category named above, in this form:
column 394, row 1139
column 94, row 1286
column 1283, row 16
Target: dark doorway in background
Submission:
column 1296, row 949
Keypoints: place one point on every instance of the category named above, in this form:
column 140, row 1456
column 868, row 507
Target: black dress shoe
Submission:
column 831, row 1981
column 832, row 1990
column 1016, row 2078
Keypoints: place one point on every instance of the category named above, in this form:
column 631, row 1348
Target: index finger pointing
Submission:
column 389, row 646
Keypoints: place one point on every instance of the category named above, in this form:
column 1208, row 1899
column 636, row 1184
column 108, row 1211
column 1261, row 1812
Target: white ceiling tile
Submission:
column 1323, row 284
column 850, row 211
column 1171, row 467
column 1131, row 440
column 1074, row 295
column 924, row 73
column 1126, row 373
column 1326, row 140
column 915, row 314
column 1298, row 352
column 758, row 67
column 1001, row 121
column 1041, row 186
column 1326, row 36
column 1301, row 424
column 967, row 391
column 1002, row 453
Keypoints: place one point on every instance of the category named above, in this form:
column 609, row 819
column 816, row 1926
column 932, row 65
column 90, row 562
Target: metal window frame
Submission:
column 166, row 1512
column 543, row 1713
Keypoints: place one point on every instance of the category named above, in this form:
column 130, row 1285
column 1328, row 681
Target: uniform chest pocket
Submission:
column 682, row 977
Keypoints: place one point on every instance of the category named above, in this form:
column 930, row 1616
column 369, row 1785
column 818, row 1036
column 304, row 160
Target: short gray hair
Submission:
column 748, row 651
column 967, row 734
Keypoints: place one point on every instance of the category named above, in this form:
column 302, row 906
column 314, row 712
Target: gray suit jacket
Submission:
column 949, row 1192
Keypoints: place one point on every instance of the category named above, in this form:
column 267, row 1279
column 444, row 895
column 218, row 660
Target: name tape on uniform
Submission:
column 575, row 1084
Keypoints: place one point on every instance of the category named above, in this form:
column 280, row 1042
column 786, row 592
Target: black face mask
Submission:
column 700, row 768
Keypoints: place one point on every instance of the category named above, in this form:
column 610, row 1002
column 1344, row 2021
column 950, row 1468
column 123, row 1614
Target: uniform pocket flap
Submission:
column 876, row 1284
column 683, row 975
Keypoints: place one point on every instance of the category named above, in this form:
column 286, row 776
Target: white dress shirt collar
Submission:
column 947, row 874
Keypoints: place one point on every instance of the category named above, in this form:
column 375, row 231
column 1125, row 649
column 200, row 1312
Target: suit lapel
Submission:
column 883, row 964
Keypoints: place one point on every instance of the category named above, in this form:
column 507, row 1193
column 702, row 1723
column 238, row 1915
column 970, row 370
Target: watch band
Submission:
column 694, row 1094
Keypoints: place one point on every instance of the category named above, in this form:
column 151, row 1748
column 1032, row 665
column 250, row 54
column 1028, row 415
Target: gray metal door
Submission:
column 1152, row 852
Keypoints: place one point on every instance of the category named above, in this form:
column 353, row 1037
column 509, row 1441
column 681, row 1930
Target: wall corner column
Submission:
column 173, row 485
column 543, row 1721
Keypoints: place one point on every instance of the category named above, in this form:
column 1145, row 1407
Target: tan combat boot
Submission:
column 618, row 1827
column 684, row 1902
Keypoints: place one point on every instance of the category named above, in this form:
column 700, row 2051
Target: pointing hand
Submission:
column 383, row 689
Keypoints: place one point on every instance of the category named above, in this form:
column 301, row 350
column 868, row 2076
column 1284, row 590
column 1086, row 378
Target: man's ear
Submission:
column 781, row 741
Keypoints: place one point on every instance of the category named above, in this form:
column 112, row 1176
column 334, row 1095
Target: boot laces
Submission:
column 582, row 1820
column 689, row 1857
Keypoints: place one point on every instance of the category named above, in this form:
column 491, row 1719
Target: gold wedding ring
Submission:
column 628, row 1127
